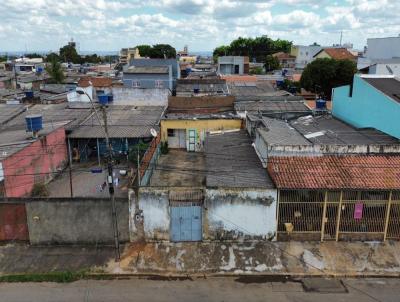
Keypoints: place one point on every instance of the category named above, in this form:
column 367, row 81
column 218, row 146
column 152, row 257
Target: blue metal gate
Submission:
column 186, row 223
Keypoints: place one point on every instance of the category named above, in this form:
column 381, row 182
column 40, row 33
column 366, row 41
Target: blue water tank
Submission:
column 320, row 104
column 110, row 98
column 39, row 69
column 279, row 83
column 103, row 99
column 29, row 94
column 196, row 90
column 34, row 123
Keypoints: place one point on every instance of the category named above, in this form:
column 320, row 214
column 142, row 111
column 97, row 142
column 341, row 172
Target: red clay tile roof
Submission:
column 336, row 172
column 96, row 81
column 338, row 53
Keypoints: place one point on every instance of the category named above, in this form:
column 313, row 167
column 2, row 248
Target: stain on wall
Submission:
column 235, row 214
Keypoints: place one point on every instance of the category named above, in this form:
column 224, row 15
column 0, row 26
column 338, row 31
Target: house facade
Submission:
column 233, row 65
column 304, row 54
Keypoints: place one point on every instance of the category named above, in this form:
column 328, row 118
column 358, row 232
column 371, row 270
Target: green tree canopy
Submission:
column 55, row 72
column 255, row 48
column 271, row 63
column 157, row 51
column 163, row 51
column 144, row 50
column 68, row 53
column 53, row 57
column 321, row 75
column 33, row 55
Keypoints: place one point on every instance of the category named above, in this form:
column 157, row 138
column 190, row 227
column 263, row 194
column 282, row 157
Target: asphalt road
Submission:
column 214, row 289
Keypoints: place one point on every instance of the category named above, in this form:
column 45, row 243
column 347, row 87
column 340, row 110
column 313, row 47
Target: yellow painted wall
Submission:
column 322, row 55
column 294, row 51
column 199, row 125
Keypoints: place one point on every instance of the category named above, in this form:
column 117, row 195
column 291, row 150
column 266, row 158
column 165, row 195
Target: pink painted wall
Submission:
column 34, row 163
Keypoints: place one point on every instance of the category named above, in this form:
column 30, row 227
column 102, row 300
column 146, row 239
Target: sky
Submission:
column 109, row 25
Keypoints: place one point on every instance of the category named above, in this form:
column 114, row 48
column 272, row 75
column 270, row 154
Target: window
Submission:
column 171, row 132
column 159, row 84
column 135, row 84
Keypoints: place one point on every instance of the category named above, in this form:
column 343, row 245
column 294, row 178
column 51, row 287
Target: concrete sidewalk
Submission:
column 271, row 258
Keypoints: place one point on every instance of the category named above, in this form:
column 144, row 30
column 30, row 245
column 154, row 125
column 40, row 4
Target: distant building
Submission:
column 285, row 60
column 151, row 73
column 233, row 65
column 304, row 54
column 383, row 48
column 336, row 53
column 126, row 54
column 372, row 101
column 382, row 67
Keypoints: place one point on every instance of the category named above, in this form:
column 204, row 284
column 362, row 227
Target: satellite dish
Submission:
column 153, row 132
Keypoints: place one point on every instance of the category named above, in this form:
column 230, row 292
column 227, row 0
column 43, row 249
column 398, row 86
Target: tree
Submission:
column 321, row 75
column 69, row 54
column 163, row 51
column 53, row 57
column 144, row 50
column 257, row 70
column 256, row 49
column 55, row 72
column 271, row 63
column 33, row 55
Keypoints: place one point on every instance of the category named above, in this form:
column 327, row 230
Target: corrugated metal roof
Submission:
column 123, row 121
column 7, row 112
column 232, row 162
column 272, row 106
column 334, row 131
column 278, row 132
column 336, row 172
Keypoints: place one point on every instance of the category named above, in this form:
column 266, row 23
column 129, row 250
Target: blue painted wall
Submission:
column 367, row 108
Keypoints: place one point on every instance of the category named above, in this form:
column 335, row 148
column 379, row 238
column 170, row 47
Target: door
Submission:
column 186, row 223
column 192, row 140
column 237, row 69
column 182, row 139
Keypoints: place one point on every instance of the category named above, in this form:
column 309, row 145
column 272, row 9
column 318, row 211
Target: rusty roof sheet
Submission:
column 96, row 81
column 336, row 172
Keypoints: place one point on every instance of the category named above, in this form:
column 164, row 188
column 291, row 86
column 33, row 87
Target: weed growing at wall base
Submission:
column 59, row 277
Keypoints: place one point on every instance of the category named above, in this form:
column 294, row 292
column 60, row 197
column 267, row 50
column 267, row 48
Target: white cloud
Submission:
column 203, row 24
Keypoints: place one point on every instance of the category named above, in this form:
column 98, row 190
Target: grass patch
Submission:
column 59, row 277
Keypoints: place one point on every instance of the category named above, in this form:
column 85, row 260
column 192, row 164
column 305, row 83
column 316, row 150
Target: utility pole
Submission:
column 341, row 36
column 110, row 180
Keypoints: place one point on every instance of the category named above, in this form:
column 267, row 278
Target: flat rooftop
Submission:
column 232, row 162
column 179, row 168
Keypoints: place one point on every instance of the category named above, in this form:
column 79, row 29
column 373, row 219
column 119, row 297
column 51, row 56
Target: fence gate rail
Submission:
column 338, row 215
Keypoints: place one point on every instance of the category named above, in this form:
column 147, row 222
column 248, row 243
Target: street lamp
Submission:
column 110, row 178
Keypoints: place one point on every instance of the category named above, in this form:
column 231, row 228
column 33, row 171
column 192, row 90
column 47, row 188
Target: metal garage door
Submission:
column 186, row 223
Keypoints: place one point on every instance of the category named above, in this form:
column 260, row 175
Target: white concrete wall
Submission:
column 140, row 97
column 240, row 213
column 383, row 48
column 72, row 96
column 382, row 69
column 153, row 208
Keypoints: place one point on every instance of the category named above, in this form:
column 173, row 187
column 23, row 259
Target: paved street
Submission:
column 214, row 289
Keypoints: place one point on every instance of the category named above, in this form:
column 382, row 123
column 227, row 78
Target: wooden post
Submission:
column 339, row 214
column 324, row 217
column 387, row 215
